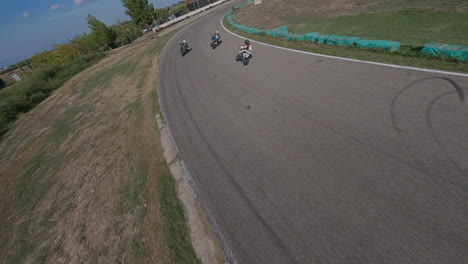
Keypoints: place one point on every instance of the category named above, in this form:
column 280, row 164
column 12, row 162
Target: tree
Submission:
column 65, row 53
column 126, row 32
column 44, row 59
column 153, row 14
column 138, row 11
column 179, row 9
column 84, row 44
column 100, row 33
column 2, row 84
column 161, row 15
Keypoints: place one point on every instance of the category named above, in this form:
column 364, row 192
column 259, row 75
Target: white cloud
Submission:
column 26, row 14
column 79, row 2
column 54, row 7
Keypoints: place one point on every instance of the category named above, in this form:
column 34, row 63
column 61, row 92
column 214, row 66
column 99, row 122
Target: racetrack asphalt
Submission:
column 304, row 159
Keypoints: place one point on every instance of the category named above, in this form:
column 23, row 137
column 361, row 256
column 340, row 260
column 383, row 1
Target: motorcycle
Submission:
column 244, row 57
column 183, row 50
column 215, row 43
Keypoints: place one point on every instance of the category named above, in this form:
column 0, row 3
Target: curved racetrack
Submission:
column 304, row 159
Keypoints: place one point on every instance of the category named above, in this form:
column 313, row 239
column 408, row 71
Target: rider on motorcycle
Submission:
column 184, row 45
column 247, row 48
column 216, row 37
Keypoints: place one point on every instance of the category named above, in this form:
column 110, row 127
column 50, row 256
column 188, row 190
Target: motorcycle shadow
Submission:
column 243, row 60
column 216, row 45
column 186, row 52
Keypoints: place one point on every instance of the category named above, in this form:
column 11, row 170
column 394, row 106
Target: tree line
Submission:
column 145, row 14
column 54, row 67
column 103, row 37
column 100, row 38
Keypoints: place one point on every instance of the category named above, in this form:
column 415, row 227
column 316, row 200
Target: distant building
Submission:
column 15, row 75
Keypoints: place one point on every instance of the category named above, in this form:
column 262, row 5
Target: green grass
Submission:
column 133, row 192
column 23, row 243
column 134, row 108
column 405, row 56
column 143, row 71
column 29, row 190
column 139, row 248
column 64, row 126
column 134, row 196
column 410, row 27
column 31, row 187
column 105, row 76
column 155, row 100
column 459, row 5
column 176, row 229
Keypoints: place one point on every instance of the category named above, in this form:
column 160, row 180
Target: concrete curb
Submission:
column 203, row 238
column 207, row 239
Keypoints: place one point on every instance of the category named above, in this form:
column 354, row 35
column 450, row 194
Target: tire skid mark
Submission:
column 461, row 96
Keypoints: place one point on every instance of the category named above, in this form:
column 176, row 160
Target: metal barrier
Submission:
column 188, row 15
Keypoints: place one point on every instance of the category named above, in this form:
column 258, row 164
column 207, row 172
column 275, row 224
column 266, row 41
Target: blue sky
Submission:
column 31, row 26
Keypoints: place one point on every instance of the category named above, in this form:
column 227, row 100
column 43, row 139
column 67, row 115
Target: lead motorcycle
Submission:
column 183, row 50
column 244, row 56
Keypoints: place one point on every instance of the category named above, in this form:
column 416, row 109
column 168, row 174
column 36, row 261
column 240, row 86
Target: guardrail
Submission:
column 188, row 15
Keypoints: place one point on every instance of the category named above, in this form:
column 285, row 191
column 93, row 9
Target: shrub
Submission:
column 23, row 96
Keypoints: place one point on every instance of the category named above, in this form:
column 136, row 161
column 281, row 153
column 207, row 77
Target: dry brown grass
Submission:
column 80, row 173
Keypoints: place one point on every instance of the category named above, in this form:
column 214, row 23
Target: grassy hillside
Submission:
column 83, row 178
column 25, row 95
column 412, row 22
column 411, row 27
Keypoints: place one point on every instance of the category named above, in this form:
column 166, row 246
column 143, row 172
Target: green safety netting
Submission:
column 341, row 40
column 294, row 36
column 459, row 52
column 247, row 29
column 321, row 38
column 278, row 32
column 435, row 49
column 229, row 17
column 378, row 44
column 311, row 36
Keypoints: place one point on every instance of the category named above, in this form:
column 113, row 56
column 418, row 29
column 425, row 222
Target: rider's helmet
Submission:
column 247, row 42
column 184, row 41
column 216, row 31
